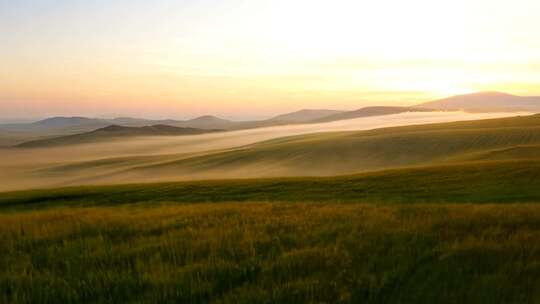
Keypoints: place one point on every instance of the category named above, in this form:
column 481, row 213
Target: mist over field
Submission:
column 270, row 151
column 26, row 167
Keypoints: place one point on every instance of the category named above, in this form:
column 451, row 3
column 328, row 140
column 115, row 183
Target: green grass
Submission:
column 466, row 233
column 485, row 182
column 272, row 253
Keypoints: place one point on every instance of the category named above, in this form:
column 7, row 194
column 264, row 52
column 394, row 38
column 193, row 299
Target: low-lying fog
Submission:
column 17, row 165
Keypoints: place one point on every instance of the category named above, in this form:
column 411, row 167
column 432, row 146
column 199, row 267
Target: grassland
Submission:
column 272, row 253
column 324, row 154
column 463, row 228
column 482, row 182
column 246, row 154
column 350, row 152
column 461, row 233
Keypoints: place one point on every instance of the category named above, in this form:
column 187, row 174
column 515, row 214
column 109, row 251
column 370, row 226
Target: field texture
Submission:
column 462, row 233
column 483, row 182
column 273, row 253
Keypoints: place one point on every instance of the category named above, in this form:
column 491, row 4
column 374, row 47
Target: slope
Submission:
column 367, row 112
column 486, row 102
column 111, row 132
column 479, row 182
column 350, row 152
column 322, row 154
column 305, row 115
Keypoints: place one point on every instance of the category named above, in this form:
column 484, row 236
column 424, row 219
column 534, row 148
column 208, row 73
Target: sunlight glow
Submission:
column 243, row 57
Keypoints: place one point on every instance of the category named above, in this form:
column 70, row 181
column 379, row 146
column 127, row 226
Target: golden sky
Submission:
column 257, row 58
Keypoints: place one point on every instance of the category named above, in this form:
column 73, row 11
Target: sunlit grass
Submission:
column 465, row 233
column 489, row 182
column 253, row 252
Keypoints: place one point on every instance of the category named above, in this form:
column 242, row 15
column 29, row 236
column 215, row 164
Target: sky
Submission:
column 252, row 59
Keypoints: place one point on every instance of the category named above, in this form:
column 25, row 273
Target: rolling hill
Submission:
column 111, row 132
column 367, row 112
column 205, row 122
column 325, row 154
column 451, row 183
column 12, row 134
column 486, row 102
column 478, row 102
column 59, row 125
column 305, row 115
column 349, row 152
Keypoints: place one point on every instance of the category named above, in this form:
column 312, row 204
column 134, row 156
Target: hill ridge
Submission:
column 114, row 131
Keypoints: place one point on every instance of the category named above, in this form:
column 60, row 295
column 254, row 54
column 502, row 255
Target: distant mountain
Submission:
column 305, row 115
column 58, row 124
column 131, row 122
column 208, row 119
column 111, row 132
column 486, row 102
column 55, row 122
column 367, row 112
column 478, row 102
column 75, row 125
column 207, row 122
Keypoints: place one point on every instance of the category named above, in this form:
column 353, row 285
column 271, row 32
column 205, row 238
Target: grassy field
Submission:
column 482, row 182
column 272, row 253
column 462, row 233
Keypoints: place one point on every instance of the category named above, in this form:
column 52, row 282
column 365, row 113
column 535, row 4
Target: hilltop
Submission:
column 111, row 132
column 368, row 112
column 486, row 102
column 305, row 115
column 477, row 102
